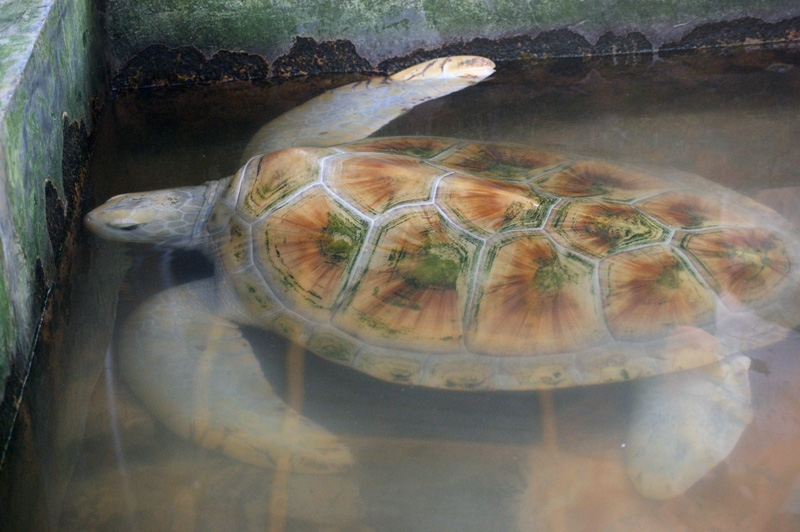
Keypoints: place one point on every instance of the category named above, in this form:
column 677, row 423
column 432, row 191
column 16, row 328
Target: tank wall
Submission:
column 49, row 72
column 380, row 30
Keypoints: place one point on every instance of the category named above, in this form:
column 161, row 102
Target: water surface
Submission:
column 429, row 460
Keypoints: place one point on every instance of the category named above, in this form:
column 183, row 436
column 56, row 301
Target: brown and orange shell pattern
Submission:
column 470, row 265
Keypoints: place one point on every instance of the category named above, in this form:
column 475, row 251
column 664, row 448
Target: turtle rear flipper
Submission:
column 357, row 110
column 685, row 423
column 198, row 375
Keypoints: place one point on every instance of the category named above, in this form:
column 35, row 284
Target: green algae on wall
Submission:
column 47, row 70
column 382, row 29
column 20, row 22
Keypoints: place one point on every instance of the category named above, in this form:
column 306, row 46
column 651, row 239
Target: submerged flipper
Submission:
column 357, row 110
column 199, row 376
column 685, row 423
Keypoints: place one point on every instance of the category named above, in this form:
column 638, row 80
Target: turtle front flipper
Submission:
column 195, row 371
column 357, row 110
column 685, row 423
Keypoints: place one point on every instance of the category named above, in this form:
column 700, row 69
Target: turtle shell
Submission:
column 469, row 265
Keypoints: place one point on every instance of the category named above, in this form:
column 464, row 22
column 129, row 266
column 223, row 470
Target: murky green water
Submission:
column 429, row 460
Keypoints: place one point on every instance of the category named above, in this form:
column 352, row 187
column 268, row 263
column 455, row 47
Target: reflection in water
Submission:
column 279, row 495
column 116, row 432
column 437, row 460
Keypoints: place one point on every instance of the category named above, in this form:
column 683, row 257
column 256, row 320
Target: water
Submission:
column 429, row 460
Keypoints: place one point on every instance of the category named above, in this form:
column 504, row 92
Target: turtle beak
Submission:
column 97, row 225
column 90, row 221
column 102, row 222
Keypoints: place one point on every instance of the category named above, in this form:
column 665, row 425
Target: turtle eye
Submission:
column 129, row 227
column 124, row 223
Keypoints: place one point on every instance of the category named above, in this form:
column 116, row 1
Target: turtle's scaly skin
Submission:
column 466, row 265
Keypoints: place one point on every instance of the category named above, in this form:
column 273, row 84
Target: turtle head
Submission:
column 174, row 217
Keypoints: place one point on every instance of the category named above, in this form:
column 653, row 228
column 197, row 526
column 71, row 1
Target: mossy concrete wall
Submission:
column 48, row 70
column 381, row 29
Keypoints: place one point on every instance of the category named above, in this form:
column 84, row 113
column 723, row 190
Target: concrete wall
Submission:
column 46, row 72
column 382, row 29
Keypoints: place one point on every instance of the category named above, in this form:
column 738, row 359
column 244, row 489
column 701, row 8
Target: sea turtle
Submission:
column 455, row 264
